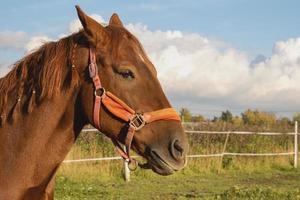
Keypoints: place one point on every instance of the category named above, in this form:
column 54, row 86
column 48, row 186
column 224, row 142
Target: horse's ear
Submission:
column 115, row 20
column 94, row 31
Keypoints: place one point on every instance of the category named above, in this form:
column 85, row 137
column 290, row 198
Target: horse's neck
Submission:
column 34, row 144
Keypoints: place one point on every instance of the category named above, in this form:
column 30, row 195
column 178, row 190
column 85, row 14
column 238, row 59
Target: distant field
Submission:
column 188, row 184
column 204, row 178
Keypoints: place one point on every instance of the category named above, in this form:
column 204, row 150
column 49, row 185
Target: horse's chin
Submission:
column 161, row 169
column 159, row 165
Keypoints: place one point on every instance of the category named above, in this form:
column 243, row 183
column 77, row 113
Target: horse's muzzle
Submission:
column 166, row 163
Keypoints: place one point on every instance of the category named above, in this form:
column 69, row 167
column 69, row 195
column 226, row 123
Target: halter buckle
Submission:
column 137, row 122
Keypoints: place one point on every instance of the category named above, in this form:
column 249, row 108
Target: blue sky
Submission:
column 249, row 25
column 208, row 45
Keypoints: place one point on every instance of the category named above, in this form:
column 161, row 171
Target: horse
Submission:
column 101, row 76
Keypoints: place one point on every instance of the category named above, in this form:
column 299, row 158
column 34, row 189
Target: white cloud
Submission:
column 274, row 82
column 2, row 69
column 35, row 42
column 206, row 74
column 16, row 43
column 74, row 26
column 198, row 71
column 13, row 40
column 21, row 42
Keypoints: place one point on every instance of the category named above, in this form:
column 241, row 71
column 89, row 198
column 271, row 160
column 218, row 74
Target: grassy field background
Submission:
column 275, row 183
column 203, row 178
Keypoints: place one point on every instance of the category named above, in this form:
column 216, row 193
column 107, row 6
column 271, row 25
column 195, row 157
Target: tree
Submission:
column 185, row 115
column 215, row 119
column 284, row 123
column 198, row 118
column 237, row 121
column 259, row 118
column 226, row 116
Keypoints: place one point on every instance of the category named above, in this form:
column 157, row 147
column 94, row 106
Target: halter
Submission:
column 121, row 110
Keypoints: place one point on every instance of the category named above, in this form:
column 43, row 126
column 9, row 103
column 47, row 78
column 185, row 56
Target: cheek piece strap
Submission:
column 121, row 110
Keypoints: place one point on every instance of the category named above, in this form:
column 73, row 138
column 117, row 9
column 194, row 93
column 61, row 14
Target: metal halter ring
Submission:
column 137, row 121
column 100, row 90
column 132, row 164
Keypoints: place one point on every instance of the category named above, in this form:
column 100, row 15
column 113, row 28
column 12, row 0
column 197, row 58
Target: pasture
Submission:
column 273, row 183
column 203, row 178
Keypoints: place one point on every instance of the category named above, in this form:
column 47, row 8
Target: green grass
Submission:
column 205, row 178
column 276, row 183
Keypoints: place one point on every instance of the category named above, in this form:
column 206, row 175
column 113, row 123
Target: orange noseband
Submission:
column 120, row 109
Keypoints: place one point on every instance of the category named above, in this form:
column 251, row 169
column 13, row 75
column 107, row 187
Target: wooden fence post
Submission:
column 296, row 145
column 126, row 171
column 222, row 155
column 126, row 168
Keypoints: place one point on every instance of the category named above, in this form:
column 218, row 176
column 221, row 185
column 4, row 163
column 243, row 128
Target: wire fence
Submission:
column 222, row 154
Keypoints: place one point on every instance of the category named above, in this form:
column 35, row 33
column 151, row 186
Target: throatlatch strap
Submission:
column 97, row 110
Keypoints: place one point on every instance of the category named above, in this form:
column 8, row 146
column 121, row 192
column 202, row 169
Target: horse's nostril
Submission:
column 176, row 150
column 178, row 147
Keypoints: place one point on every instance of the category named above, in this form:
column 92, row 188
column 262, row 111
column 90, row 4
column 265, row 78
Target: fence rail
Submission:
column 224, row 153
column 241, row 132
column 189, row 156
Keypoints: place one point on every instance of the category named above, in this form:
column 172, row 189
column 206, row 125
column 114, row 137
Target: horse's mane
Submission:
column 44, row 73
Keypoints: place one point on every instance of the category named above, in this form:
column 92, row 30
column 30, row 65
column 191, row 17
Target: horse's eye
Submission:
column 127, row 74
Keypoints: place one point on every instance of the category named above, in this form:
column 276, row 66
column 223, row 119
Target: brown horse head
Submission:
column 126, row 71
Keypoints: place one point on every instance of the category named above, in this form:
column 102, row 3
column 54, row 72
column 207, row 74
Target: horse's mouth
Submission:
column 159, row 165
